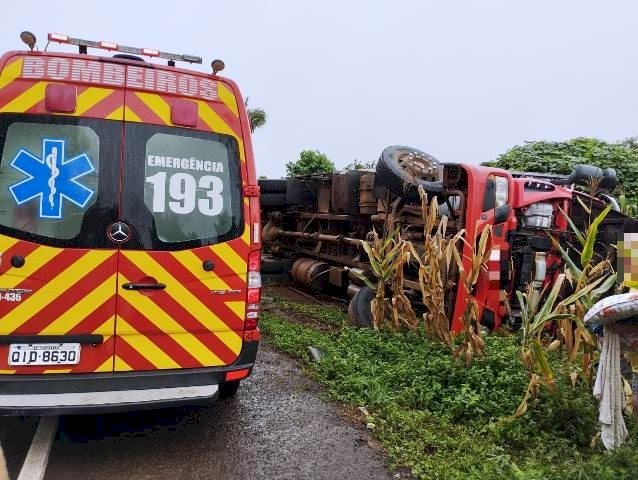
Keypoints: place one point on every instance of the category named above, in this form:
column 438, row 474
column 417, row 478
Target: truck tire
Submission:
column 228, row 390
column 272, row 199
column 272, row 186
column 402, row 169
column 359, row 310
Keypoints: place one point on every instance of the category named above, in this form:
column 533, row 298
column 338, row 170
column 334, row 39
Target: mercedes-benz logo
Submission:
column 119, row 232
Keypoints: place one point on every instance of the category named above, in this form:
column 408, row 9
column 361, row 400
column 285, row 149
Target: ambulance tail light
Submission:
column 253, row 295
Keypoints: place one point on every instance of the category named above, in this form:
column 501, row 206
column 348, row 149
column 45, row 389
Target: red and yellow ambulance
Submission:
column 129, row 231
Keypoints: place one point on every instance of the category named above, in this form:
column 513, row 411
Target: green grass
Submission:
column 445, row 421
column 323, row 313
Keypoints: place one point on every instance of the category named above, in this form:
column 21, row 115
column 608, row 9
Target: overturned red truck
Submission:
column 313, row 226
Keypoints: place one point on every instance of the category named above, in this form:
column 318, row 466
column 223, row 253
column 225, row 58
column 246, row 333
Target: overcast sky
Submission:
column 462, row 80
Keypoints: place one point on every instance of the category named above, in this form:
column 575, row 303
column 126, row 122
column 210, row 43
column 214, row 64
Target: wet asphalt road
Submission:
column 277, row 427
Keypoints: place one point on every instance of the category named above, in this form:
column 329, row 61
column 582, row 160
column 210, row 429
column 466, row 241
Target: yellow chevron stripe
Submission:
column 193, row 264
column 26, row 100
column 117, row 114
column 107, row 366
column 83, row 309
column 236, row 263
column 157, row 104
column 11, row 72
column 183, row 296
column 130, row 115
column 52, row 289
column 120, row 365
column 6, row 243
column 216, row 124
column 155, row 355
column 90, row 97
column 239, row 307
column 168, row 325
column 34, row 261
column 246, row 235
column 123, row 113
column 226, row 96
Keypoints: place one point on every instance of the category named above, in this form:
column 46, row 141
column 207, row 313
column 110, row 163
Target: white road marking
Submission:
column 4, row 473
column 35, row 463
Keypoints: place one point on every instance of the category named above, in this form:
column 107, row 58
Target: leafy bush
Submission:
column 310, row 161
column 561, row 157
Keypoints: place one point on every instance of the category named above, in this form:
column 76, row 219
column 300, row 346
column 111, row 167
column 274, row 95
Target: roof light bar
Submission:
column 149, row 52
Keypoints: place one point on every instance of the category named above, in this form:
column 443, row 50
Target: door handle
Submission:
column 143, row 286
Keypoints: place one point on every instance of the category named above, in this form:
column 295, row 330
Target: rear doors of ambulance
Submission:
column 132, row 255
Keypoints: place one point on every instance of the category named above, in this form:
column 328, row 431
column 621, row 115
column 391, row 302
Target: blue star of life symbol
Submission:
column 51, row 177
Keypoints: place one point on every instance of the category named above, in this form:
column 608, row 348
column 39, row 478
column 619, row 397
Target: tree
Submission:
column 561, row 157
column 310, row 161
column 256, row 117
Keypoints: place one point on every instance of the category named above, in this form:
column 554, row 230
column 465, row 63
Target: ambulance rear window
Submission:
column 48, row 177
column 191, row 186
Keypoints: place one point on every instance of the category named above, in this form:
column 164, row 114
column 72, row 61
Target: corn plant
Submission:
column 387, row 258
column 472, row 344
column 435, row 264
column 536, row 316
column 580, row 274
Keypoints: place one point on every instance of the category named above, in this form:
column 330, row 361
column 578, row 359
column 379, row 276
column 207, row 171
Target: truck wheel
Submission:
column 272, row 199
column 402, row 169
column 228, row 390
column 272, row 186
column 359, row 310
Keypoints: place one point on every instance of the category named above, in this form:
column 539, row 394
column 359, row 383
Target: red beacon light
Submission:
column 56, row 37
column 108, row 45
column 151, row 52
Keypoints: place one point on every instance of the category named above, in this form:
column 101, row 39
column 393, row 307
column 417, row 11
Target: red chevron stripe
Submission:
column 48, row 271
column 131, row 356
column 13, row 90
column 67, row 299
column 179, row 313
column 199, row 290
column 142, row 110
column 221, row 268
column 21, row 248
column 97, row 318
column 106, row 106
column 227, row 116
column 163, row 341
